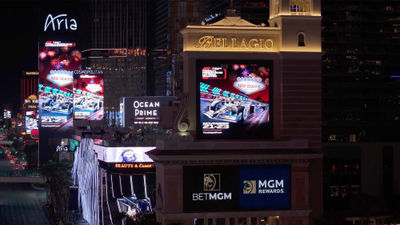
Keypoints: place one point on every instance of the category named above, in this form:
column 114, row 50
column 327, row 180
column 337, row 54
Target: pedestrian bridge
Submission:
column 21, row 176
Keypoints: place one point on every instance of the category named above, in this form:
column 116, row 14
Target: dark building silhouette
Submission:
column 361, row 102
column 165, row 61
column 254, row 11
column 118, row 46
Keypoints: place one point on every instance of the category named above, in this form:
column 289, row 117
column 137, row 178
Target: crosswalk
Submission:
column 20, row 204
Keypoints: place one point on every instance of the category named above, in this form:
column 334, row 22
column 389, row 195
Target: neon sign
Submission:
column 59, row 22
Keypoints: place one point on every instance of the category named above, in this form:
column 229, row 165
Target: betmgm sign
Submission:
column 235, row 188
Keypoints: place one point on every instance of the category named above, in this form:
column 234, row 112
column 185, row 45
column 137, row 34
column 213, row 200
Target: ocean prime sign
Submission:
column 140, row 111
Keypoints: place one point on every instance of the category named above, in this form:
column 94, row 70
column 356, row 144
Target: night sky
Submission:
column 19, row 36
column 21, row 25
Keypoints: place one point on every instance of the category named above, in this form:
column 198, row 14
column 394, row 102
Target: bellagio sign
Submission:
column 210, row 41
column 59, row 22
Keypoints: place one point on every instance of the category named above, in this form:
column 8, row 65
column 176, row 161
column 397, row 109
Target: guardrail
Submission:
column 20, row 173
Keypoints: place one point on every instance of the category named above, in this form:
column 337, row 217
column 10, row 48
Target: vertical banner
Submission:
column 57, row 61
column 88, row 95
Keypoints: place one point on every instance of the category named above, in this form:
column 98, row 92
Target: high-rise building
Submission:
column 29, row 85
column 361, row 89
column 361, row 99
column 165, row 64
column 118, row 43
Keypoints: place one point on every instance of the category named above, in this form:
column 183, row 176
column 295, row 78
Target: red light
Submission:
column 51, row 53
column 242, row 66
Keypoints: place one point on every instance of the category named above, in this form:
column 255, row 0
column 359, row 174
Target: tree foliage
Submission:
column 58, row 180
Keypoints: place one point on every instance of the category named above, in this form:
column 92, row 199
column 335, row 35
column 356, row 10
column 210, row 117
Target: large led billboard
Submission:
column 234, row 188
column 57, row 61
column 234, row 99
column 88, row 95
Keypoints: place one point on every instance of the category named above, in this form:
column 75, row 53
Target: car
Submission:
column 230, row 110
column 134, row 205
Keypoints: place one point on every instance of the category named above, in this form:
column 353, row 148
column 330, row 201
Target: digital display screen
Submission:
column 31, row 122
column 142, row 111
column 57, row 61
column 266, row 187
column 234, row 99
column 88, row 95
column 127, row 154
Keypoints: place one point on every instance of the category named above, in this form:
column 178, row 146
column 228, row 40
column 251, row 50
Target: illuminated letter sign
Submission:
column 60, row 21
column 210, row 41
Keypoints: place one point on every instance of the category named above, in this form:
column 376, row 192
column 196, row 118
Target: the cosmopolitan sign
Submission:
column 59, row 22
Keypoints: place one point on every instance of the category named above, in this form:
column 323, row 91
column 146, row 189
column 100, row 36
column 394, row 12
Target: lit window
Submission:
column 300, row 40
column 299, row 6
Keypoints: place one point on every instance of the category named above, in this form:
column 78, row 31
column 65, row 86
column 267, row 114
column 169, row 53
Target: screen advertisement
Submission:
column 57, row 61
column 209, row 189
column 140, row 111
column 31, row 123
column 88, row 95
column 234, row 99
column 127, row 154
column 264, row 187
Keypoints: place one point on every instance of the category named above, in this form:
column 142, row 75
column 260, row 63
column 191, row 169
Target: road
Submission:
column 20, row 204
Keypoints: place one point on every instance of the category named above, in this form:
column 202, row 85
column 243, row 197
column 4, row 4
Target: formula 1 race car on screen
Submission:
column 230, row 110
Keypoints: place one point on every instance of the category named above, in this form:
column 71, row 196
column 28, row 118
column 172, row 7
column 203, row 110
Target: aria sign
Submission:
column 59, row 22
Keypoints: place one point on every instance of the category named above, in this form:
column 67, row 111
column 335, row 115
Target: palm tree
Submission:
column 58, row 180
